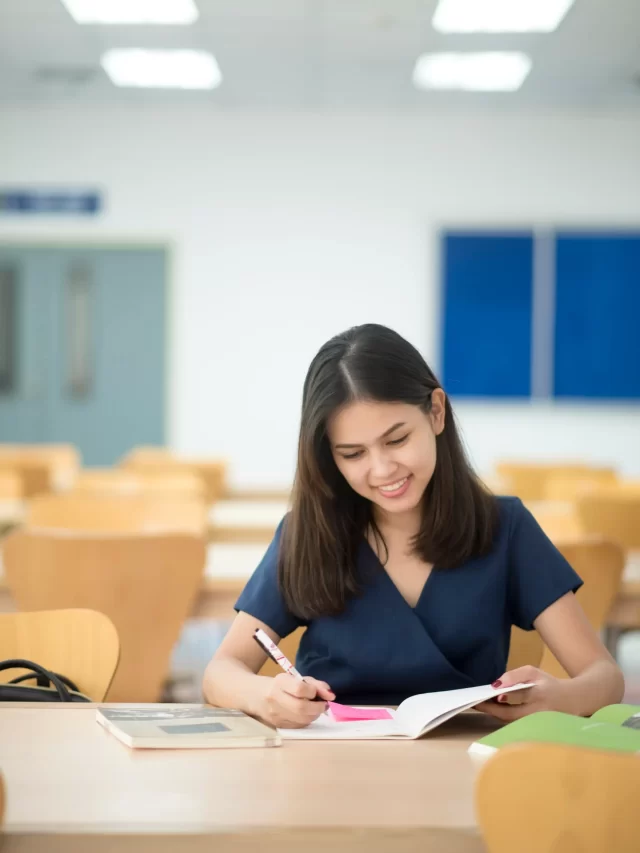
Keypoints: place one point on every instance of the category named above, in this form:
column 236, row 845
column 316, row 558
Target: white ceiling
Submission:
column 320, row 54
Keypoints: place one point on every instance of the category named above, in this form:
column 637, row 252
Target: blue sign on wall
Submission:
column 69, row 202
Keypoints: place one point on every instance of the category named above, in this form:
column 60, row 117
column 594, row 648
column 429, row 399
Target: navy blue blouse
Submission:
column 380, row 650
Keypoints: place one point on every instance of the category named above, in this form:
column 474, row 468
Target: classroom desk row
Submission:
column 66, row 778
column 228, row 521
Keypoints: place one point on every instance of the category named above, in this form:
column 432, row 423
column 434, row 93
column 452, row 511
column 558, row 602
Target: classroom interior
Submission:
column 194, row 196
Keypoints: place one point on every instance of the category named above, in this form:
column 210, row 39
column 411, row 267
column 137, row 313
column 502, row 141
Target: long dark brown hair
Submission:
column 328, row 519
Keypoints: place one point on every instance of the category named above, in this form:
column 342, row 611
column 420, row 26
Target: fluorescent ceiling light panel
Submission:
column 499, row 16
column 132, row 11
column 162, row 69
column 473, row 72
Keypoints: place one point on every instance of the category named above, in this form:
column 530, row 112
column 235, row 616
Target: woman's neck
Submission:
column 401, row 524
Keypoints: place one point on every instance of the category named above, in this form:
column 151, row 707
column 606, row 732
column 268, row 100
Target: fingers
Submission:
column 294, row 687
column 505, row 713
column 293, row 703
column 522, row 675
column 322, row 689
column 518, row 697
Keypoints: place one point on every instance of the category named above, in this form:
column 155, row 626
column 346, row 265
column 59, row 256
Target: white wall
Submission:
column 287, row 229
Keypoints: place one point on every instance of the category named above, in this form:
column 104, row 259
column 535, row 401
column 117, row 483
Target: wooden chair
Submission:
column 614, row 513
column 526, row 649
column 568, row 485
column 527, row 480
column 146, row 585
column 118, row 482
column 213, row 472
column 10, row 485
column 550, row 798
column 558, row 519
column 600, row 564
column 80, row 644
column 122, row 514
column 44, row 467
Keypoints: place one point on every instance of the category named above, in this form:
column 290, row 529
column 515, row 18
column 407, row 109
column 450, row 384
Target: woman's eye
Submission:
column 397, row 441
column 355, row 455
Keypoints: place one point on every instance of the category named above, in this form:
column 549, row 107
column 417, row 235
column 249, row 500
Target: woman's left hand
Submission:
column 546, row 695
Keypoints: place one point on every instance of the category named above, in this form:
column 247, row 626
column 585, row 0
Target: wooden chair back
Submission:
column 526, row 649
column 558, row 519
column 614, row 513
column 568, row 485
column 80, row 644
column 146, row 585
column 212, row 472
column 10, row 485
column 600, row 564
column 551, row 798
column 119, row 482
column 528, row 480
column 116, row 514
column 44, row 467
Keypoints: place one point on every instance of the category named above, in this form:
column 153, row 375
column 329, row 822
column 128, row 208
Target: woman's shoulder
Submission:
column 510, row 510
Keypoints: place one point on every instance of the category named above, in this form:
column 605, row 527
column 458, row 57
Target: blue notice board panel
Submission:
column 597, row 329
column 487, row 309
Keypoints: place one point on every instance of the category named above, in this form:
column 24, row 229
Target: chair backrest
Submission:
column 551, row 798
column 146, row 585
column 80, row 644
column 558, row 519
column 600, row 564
column 528, row 480
column 10, row 484
column 116, row 514
column 612, row 512
column 44, row 466
column 566, row 486
column 526, row 649
column 118, row 482
column 212, row 472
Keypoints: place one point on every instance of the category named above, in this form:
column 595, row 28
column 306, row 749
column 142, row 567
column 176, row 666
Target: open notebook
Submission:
column 413, row 718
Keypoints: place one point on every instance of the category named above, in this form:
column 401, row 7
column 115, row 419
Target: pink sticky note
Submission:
column 347, row 714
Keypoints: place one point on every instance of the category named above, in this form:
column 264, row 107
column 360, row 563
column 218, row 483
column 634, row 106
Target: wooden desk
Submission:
column 245, row 521
column 65, row 774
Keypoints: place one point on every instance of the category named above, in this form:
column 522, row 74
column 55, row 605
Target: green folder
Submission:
column 616, row 727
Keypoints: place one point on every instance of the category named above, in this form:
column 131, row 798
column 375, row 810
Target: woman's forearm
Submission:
column 601, row 683
column 229, row 684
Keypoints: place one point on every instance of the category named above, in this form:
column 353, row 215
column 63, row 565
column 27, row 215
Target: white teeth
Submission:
column 394, row 486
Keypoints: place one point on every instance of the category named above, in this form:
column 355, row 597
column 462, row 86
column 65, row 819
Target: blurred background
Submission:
column 196, row 194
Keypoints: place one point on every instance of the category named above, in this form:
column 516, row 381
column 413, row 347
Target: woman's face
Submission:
column 387, row 451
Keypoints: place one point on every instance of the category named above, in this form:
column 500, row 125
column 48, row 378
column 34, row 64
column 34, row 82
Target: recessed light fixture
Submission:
column 162, row 69
column 475, row 72
column 499, row 16
column 132, row 11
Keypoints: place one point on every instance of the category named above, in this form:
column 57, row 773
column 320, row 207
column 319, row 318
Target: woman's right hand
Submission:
column 288, row 703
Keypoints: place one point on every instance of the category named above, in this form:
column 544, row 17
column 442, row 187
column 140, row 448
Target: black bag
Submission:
column 50, row 686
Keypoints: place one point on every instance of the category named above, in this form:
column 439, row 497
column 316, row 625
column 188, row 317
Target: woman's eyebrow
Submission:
column 384, row 435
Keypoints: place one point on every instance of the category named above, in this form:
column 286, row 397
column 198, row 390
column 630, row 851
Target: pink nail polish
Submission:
column 497, row 683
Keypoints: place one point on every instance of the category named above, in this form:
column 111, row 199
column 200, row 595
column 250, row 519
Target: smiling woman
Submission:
column 407, row 573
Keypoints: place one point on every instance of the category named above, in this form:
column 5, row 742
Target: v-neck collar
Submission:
column 389, row 579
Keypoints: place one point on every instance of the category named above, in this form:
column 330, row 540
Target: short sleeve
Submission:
column 538, row 573
column 262, row 598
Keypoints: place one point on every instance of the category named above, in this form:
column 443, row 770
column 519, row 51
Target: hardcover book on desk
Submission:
column 185, row 727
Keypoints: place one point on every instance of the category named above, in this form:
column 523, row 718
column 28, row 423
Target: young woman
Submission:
column 407, row 573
